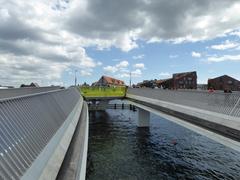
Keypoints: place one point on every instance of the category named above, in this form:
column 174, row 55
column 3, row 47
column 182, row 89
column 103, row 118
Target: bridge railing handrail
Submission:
column 29, row 95
column 224, row 103
column 27, row 125
column 6, row 93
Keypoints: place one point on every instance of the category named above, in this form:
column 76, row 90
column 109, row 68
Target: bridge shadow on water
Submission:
column 120, row 150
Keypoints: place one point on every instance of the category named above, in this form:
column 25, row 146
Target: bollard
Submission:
column 130, row 106
column 122, row 105
column 115, row 106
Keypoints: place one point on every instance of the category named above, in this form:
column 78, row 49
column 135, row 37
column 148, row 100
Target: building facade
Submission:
column 185, row 80
column 224, row 82
column 165, row 83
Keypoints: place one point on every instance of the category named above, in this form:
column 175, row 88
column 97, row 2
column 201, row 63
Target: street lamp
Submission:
column 75, row 77
column 130, row 80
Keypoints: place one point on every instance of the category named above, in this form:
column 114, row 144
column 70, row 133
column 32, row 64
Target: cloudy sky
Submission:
column 46, row 41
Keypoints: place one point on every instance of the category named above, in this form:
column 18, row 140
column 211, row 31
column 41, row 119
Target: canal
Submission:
column 165, row 150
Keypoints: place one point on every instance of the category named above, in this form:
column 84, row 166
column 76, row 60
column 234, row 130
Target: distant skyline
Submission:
column 46, row 41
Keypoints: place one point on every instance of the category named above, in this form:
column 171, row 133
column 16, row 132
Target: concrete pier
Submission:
column 99, row 105
column 143, row 118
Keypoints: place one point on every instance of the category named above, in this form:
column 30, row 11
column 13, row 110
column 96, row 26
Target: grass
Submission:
column 103, row 91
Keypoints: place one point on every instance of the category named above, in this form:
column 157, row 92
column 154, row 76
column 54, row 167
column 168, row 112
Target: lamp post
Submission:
column 75, row 77
column 130, row 80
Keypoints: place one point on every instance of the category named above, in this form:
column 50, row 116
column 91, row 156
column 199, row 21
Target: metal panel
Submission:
column 13, row 92
column 224, row 103
column 27, row 124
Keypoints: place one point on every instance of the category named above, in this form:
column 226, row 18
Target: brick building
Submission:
column 224, row 82
column 165, row 83
column 108, row 81
column 185, row 80
column 148, row 83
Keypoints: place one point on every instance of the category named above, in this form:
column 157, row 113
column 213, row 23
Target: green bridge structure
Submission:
column 96, row 92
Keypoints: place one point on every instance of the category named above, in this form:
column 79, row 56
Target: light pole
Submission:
column 130, row 80
column 75, row 77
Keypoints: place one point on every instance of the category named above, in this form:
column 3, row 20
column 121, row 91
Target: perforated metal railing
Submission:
column 13, row 92
column 26, row 126
column 224, row 103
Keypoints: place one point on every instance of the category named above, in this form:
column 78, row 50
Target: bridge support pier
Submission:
column 143, row 118
column 99, row 105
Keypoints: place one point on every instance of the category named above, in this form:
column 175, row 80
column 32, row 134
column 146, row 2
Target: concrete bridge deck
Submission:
column 223, row 124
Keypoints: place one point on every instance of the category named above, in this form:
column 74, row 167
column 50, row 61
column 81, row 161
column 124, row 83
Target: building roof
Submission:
column 180, row 75
column 111, row 80
column 31, row 85
column 222, row 77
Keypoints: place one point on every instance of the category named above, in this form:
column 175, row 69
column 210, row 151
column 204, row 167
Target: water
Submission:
column 120, row 150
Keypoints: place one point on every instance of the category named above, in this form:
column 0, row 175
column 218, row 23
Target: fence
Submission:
column 27, row 124
column 224, row 103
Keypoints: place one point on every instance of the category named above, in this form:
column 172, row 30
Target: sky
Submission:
column 48, row 41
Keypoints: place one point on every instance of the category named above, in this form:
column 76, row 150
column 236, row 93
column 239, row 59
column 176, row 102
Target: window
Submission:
column 230, row 82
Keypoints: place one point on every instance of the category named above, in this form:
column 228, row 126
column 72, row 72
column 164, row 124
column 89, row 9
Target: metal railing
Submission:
column 224, row 103
column 14, row 92
column 26, row 126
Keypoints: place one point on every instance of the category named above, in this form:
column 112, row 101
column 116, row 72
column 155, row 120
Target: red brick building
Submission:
column 185, row 80
column 224, row 82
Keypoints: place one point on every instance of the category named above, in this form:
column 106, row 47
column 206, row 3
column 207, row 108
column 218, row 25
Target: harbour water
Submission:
column 165, row 150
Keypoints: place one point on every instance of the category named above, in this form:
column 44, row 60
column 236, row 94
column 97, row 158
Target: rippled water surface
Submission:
column 120, row 150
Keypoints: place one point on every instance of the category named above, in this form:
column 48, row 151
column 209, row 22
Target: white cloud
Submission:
column 226, row 45
column 122, row 64
column 224, row 58
column 35, row 46
column 99, row 63
column 172, row 56
column 196, row 54
column 235, row 33
column 140, row 56
column 164, row 74
column 136, row 73
column 122, row 69
column 153, row 21
column 111, row 69
column 139, row 65
column 18, row 70
column 86, row 72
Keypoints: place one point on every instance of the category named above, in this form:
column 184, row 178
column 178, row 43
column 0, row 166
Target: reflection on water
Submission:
column 120, row 150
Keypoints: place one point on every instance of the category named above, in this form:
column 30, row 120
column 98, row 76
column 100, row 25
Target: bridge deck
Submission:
column 224, row 124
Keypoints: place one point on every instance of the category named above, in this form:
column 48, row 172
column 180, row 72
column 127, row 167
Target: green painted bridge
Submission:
column 103, row 92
